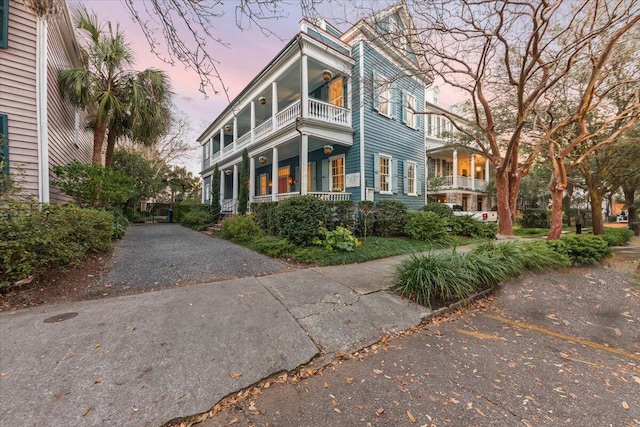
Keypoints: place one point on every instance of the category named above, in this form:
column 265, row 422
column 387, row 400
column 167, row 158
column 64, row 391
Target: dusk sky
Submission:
column 249, row 52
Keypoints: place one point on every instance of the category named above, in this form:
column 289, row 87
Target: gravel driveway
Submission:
column 162, row 255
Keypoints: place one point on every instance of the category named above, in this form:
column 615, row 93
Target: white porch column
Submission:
column 472, row 162
column 221, row 139
column 210, row 148
column 274, row 174
column 252, row 178
column 455, row 168
column 221, row 187
column 274, row 103
column 253, row 119
column 42, row 123
column 235, row 129
column 486, row 169
column 304, row 160
column 235, row 186
column 304, row 88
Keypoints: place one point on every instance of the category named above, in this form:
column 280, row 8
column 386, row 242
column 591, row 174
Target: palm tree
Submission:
column 120, row 101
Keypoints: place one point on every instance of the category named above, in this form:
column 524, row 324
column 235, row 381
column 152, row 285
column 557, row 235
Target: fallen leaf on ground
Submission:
column 97, row 345
column 232, row 422
column 410, row 416
column 97, row 380
column 625, row 405
column 86, row 411
column 349, row 380
column 326, row 385
column 379, row 411
column 337, row 410
column 235, row 374
column 617, row 331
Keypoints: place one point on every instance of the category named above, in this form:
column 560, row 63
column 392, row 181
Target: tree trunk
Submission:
column 632, row 209
column 505, row 224
column 111, row 145
column 595, row 199
column 556, row 213
column 514, row 187
column 98, row 141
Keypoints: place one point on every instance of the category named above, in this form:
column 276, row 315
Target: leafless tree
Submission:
column 185, row 31
column 506, row 57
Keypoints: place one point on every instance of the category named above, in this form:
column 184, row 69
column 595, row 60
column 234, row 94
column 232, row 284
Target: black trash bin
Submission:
column 170, row 215
column 578, row 228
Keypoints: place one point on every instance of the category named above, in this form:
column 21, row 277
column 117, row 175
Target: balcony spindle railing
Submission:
column 328, row 112
column 288, row 115
column 263, row 129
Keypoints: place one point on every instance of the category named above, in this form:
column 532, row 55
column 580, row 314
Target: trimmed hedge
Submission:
column 617, row 236
column 535, row 218
column 241, row 228
column 391, row 218
column 265, row 216
column 425, row 226
column 581, row 248
column 439, row 209
column 300, row 218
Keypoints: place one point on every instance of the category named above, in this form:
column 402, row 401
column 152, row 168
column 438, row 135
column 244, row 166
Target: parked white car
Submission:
column 622, row 217
column 488, row 216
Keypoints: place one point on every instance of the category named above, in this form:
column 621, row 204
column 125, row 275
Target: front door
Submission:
column 283, row 180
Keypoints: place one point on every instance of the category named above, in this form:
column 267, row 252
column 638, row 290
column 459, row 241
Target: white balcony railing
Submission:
column 463, row 182
column 244, row 139
column 323, row 195
column 318, row 110
column 329, row 113
column 263, row 129
column 288, row 115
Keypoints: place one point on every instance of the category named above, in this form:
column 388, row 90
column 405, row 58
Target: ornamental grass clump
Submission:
column 431, row 278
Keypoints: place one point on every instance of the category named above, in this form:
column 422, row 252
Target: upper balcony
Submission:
column 309, row 80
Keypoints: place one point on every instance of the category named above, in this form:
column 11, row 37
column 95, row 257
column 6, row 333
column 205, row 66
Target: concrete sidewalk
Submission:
column 141, row 360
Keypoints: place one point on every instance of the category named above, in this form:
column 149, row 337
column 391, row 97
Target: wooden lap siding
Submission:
column 18, row 97
column 61, row 114
column 388, row 135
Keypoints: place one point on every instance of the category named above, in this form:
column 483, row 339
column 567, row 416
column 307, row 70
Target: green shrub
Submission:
column 242, row 228
column 196, row 219
column 340, row 238
column 425, row 226
column 265, row 215
column 617, row 236
column 535, row 218
column 439, row 209
column 342, row 214
column 431, row 278
column 465, row 225
column 581, row 248
column 120, row 223
column 91, row 228
column 300, row 217
column 391, row 218
column 38, row 238
column 275, row 247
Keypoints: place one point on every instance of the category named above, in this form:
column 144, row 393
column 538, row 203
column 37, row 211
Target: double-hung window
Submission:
column 385, row 174
column 409, row 109
column 412, row 179
column 382, row 94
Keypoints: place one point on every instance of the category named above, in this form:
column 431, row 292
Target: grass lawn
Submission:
column 371, row 248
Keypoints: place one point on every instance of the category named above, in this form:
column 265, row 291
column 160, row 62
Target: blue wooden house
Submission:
column 338, row 115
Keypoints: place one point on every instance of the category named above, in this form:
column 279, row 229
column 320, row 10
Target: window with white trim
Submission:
column 412, row 182
column 337, row 173
column 409, row 109
column 385, row 174
column 382, row 94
